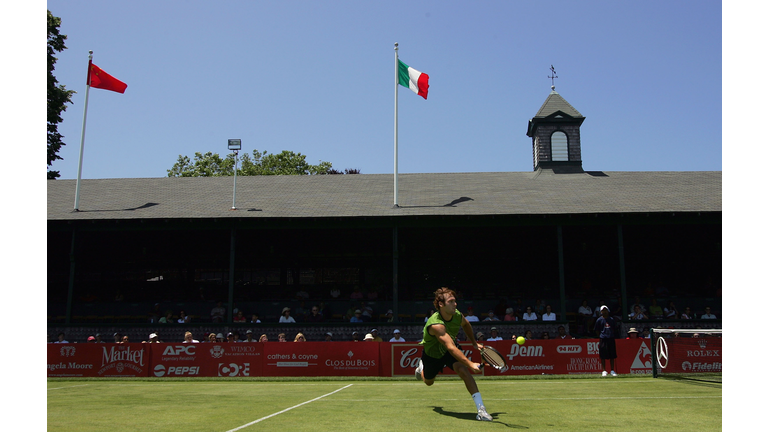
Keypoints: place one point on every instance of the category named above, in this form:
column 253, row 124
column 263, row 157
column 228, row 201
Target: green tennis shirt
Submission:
column 432, row 346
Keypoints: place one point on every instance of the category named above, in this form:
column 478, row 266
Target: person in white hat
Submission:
column 368, row 338
column 607, row 331
column 286, row 316
column 396, row 337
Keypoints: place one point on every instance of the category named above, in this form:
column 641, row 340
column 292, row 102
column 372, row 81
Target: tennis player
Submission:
column 441, row 348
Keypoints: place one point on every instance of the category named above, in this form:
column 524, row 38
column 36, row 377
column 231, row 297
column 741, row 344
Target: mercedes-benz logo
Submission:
column 662, row 352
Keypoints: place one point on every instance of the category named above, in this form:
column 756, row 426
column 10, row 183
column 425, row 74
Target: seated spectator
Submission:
column 357, row 317
column 670, row 312
column 335, row 293
column 529, row 314
column 125, row 340
column 687, row 314
column 281, row 337
column 494, row 335
column 638, row 303
column 432, row 312
column 584, row 314
column 562, row 334
column 638, row 314
column 544, row 335
column 470, row 316
column 314, row 315
column 302, row 294
column 355, row 336
column 632, row 333
column 329, row 337
column 211, row 337
column 356, row 293
column 368, row 338
column 367, row 311
column 373, row 294
column 646, row 333
column 60, row 338
column 389, row 316
column 708, row 314
column 548, row 314
column 376, row 337
column 218, row 312
column 300, row 338
column 510, row 314
column 528, row 335
column 231, row 337
column 183, row 318
column 263, row 338
column 255, row 319
column 479, row 336
column 187, row 338
column 239, row 318
column 219, row 338
column 655, row 311
column 167, row 319
column 92, row 339
column 396, row 336
column 539, row 309
column 286, row 316
column 249, row 336
column 491, row 317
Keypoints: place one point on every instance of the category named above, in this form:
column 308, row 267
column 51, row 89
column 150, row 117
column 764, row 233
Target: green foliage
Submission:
column 260, row 163
column 58, row 95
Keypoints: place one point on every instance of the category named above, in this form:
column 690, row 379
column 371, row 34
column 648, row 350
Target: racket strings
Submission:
column 493, row 358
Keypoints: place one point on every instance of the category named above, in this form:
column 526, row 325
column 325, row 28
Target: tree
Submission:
column 261, row 163
column 58, row 95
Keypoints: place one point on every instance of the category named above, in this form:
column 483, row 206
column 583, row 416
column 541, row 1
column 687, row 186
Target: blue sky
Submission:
column 318, row 78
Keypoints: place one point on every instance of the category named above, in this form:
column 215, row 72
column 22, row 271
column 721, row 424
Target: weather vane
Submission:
column 552, row 68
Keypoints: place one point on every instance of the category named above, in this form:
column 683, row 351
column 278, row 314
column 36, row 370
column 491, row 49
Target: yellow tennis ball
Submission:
column 520, row 340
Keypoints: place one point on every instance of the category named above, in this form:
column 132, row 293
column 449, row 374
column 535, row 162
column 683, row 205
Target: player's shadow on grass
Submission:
column 473, row 417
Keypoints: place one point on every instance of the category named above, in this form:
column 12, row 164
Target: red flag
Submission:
column 99, row 79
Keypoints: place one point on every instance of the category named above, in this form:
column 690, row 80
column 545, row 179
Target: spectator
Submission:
column 231, row 337
column 544, row 335
column 584, row 317
column 91, row 339
column 239, row 318
column 300, row 313
column 491, row 317
column 540, row 307
column 219, row 338
column 325, row 311
column 314, row 315
column 356, row 293
column 281, row 337
column 302, row 294
column 480, row 337
column 286, row 316
column 687, row 314
column 351, row 311
column 376, row 337
column 510, row 314
column 357, row 317
column 124, row 340
column 637, row 303
column 655, row 311
column 154, row 314
column 670, row 312
column 211, row 337
column 299, row 338
column 562, row 334
column 470, row 316
column 167, row 319
column 548, row 314
column 187, row 338
column 98, row 338
column 218, row 312
column 183, row 318
column 389, row 317
column 528, row 335
column 373, row 294
column 329, row 337
column 255, row 319
column 368, row 338
column 249, row 336
column 396, row 336
column 432, row 312
column 118, row 337
column 529, row 314
column 494, row 335
column 708, row 314
column 60, row 338
column 355, row 336
column 367, row 311
column 335, row 293
column 646, row 333
column 263, row 338
column 153, row 338
column 638, row 314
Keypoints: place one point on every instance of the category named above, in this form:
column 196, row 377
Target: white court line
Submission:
column 287, row 409
column 59, row 388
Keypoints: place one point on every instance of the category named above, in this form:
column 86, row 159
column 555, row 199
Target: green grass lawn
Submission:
column 532, row 403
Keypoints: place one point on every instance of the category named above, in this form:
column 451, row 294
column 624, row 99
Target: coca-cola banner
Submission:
column 98, row 360
column 321, row 359
column 404, row 357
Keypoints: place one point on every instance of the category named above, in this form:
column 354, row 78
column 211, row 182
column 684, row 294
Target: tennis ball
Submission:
column 520, row 340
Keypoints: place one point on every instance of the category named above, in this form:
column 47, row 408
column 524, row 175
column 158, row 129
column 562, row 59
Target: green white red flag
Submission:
column 409, row 77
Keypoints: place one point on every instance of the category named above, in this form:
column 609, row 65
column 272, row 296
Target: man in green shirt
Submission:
column 440, row 348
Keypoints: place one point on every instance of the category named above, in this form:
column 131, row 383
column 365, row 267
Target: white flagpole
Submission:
column 396, row 85
column 82, row 134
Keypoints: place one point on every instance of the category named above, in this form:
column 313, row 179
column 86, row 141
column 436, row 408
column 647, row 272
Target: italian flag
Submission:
column 409, row 77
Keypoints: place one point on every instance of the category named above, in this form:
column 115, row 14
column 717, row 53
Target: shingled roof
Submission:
column 371, row 195
column 555, row 103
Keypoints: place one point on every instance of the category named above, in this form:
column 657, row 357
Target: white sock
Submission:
column 478, row 400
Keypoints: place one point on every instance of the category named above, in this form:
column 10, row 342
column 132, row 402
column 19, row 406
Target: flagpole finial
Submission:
column 396, row 46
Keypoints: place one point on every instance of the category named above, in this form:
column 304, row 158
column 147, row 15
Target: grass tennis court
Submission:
column 531, row 403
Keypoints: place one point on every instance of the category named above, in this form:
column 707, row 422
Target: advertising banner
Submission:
column 689, row 355
column 206, row 359
column 404, row 357
column 98, row 360
column 321, row 359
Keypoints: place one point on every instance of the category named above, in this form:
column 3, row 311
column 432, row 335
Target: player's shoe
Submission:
column 613, row 373
column 419, row 368
column 605, row 373
column 483, row 415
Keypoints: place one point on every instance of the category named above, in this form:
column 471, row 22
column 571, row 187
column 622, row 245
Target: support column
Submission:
column 395, row 257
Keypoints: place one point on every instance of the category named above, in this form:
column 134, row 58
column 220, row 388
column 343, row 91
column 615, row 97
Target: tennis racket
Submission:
column 492, row 357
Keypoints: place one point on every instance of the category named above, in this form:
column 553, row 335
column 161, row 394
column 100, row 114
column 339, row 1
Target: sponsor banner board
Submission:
column 404, row 357
column 689, row 355
column 98, row 360
column 206, row 359
column 321, row 359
